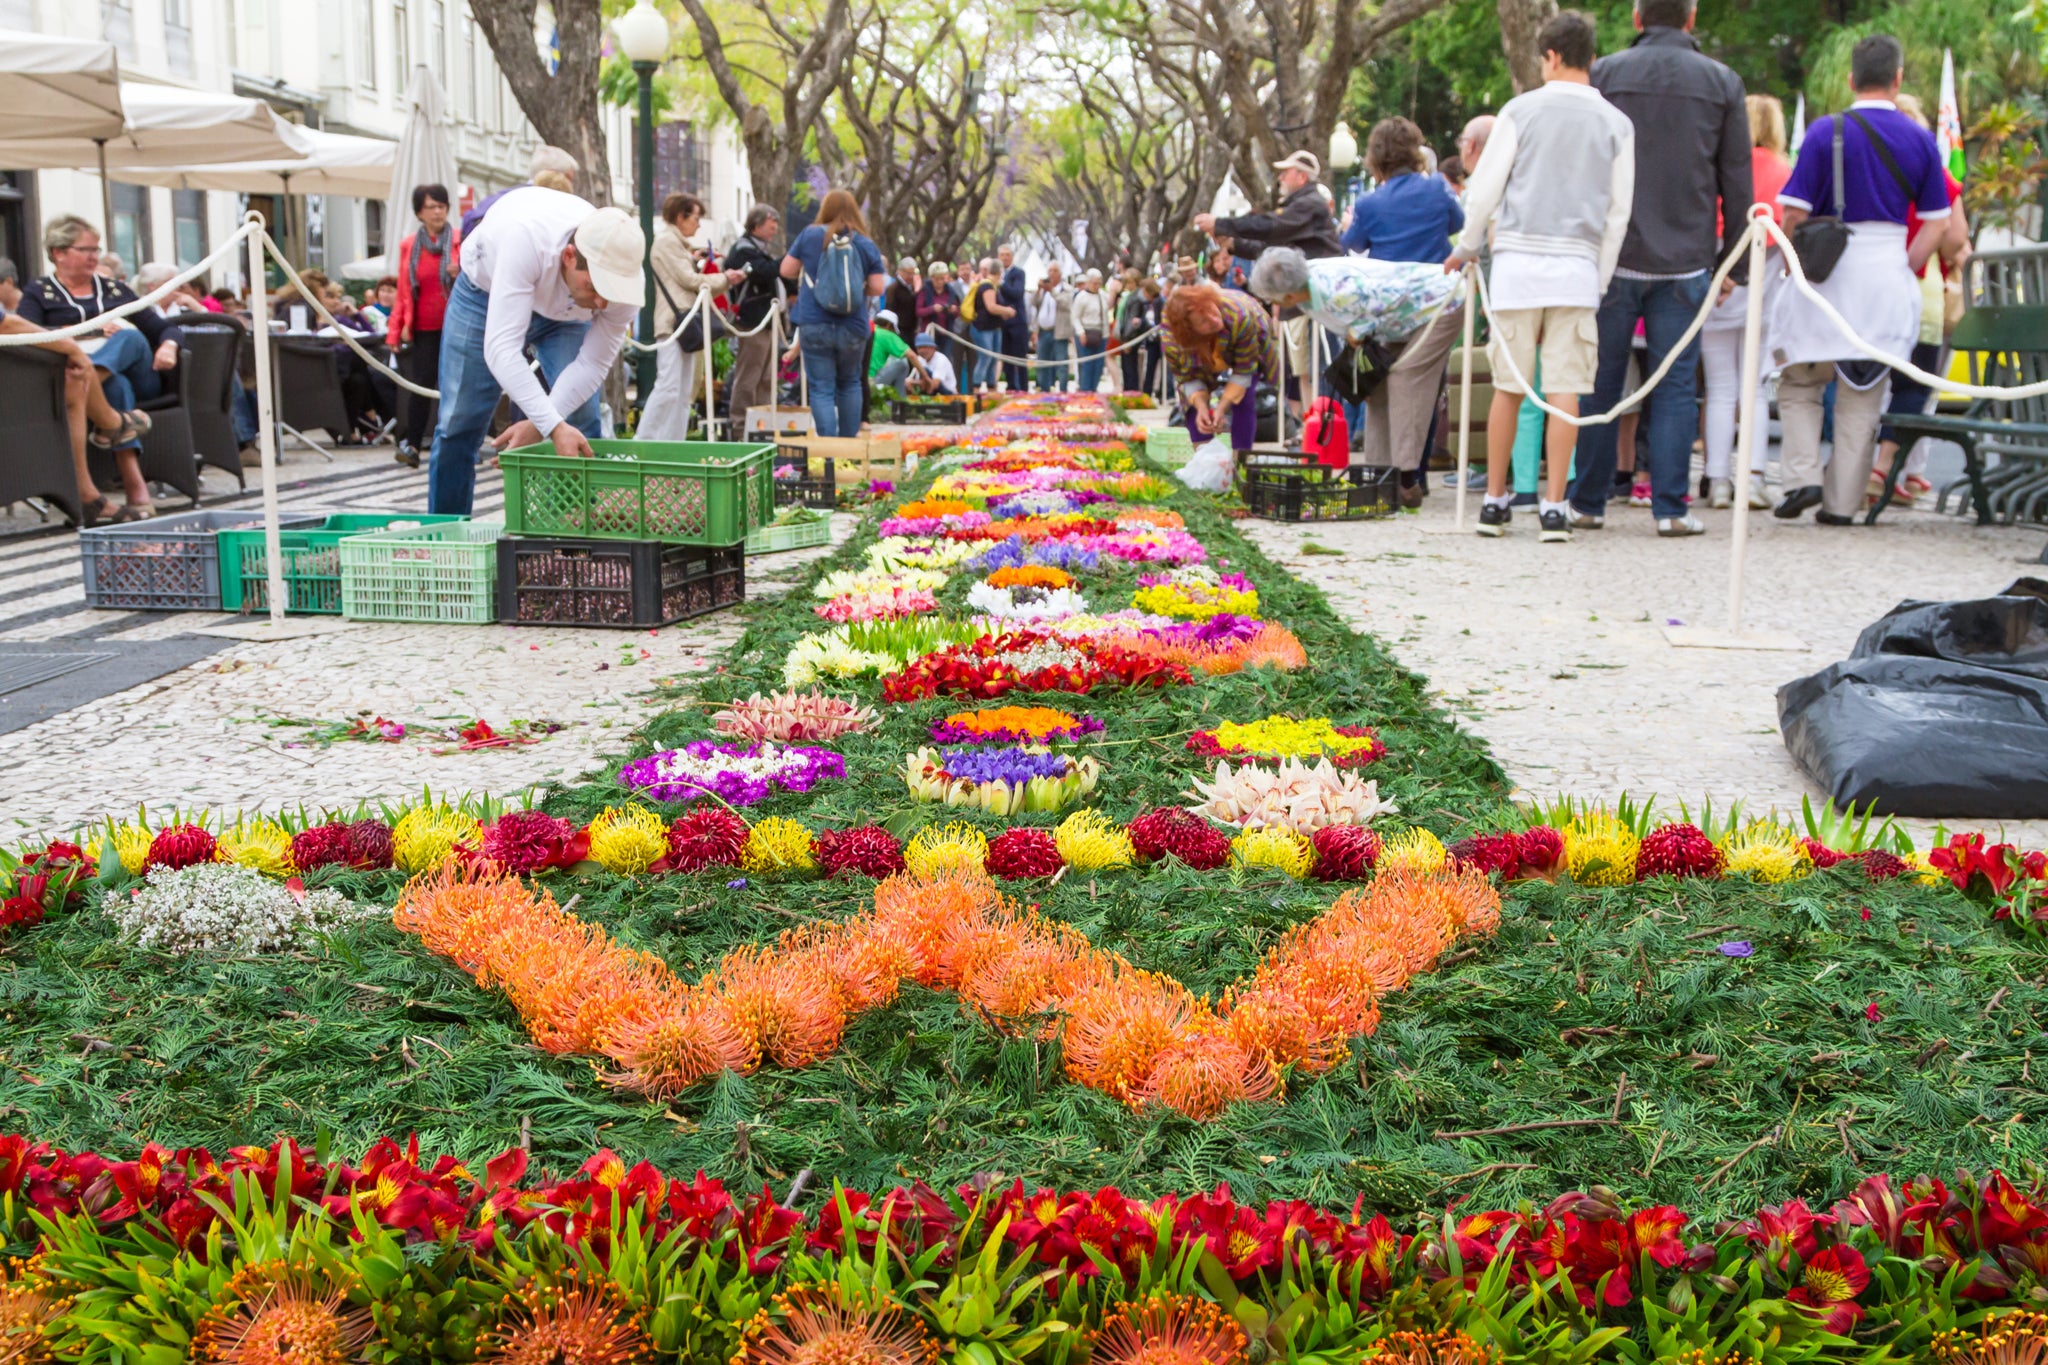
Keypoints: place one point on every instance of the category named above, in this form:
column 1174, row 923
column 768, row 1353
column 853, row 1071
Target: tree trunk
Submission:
column 563, row 108
column 1520, row 22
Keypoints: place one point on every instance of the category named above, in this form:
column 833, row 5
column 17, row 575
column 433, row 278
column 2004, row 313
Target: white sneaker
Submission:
column 1687, row 525
column 1759, row 496
column 1720, row 493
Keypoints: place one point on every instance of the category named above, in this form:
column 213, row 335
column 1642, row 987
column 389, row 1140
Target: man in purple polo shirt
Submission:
column 1888, row 163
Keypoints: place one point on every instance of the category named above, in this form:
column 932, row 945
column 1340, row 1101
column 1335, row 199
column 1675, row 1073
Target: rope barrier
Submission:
column 1034, row 363
column 97, row 324
column 345, row 334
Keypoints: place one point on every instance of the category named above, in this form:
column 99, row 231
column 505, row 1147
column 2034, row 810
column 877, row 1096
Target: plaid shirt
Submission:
column 1245, row 349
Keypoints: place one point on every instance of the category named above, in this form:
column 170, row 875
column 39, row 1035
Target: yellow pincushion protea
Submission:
column 935, row 851
column 1766, row 851
column 1273, row 846
column 1600, row 850
column 131, row 845
column 779, row 845
column 1088, row 842
column 628, row 839
column 1413, row 850
column 261, row 845
column 426, row 836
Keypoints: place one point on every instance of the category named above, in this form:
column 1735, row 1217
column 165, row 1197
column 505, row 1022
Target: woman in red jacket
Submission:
column 426, row 272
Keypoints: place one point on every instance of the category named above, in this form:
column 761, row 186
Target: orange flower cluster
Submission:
column 1275, row 646
column 1137, row 1035
column 1031, row 576
column 933, row 507
column 1165, row 518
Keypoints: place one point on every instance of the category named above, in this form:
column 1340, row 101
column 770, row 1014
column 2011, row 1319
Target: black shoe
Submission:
column 1494, row 518
column 407, row 454
column 1553, row 526
column 1830, row 519
column 1523, row 500
column 1797, row 500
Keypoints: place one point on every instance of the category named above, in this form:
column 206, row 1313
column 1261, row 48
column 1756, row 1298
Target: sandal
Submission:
column 134, row 426
column 134, row 513
column 98, row 512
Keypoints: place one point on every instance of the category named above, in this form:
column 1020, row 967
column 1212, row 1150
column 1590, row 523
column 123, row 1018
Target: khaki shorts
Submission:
column 1568, row 339
column 1296, row 332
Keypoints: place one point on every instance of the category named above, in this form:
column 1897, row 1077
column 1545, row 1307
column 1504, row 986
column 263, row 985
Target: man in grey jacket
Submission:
column 1692, row 158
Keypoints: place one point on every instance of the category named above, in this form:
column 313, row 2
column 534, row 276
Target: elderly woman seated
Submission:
column 1404, row 306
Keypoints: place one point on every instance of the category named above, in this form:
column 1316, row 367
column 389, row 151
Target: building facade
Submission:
column 339, row 65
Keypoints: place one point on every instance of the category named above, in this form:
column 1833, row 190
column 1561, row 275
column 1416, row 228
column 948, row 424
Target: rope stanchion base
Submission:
column 1717, row 637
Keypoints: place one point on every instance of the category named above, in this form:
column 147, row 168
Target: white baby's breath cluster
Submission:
column 1025, row 604
column 223, row 908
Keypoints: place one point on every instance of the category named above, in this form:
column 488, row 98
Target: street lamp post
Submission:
column 643, row 40
column 1344, row 159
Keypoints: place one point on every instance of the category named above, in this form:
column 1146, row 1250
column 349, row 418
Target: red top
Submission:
column 1768, row 172
column 1913, row 220
column 422, row 301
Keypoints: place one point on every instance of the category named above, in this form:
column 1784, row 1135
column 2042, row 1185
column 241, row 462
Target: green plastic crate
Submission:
column 432, row 573
column 683, row 492
column 1169, row 446
column 312, row 560
column 800, row 535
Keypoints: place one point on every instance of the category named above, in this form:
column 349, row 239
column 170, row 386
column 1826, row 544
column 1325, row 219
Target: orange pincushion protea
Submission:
column 1434, row 1348
column 1116, row 1031
column 668, row 1053
column 1169, row 1330
column 1273, row 1024
column 934, row 919
column 2009, row 1339
column 1206, row 1070
column 1019, row 987
column 281, row 1318
column 790, row 1012
column 1030, row 576
column 572, row 1324
column 817, row 1328
column 27, row 1308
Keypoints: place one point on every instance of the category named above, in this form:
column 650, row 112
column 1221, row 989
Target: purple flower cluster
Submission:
column 739, row 774
column 1014, row 553
column 1223, row 626
column 1012, row 766
column 944, row 732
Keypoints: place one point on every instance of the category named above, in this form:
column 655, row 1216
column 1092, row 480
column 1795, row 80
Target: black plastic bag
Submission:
column 1940, row 711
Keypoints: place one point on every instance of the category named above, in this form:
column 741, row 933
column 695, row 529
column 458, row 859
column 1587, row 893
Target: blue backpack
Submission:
column 841, row 285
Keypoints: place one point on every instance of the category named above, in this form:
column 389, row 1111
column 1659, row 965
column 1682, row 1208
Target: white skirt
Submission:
column 1871, row 287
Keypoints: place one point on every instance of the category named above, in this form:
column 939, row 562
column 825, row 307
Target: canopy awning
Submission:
column 162, row 125
column 335, row 163
column 58, row 88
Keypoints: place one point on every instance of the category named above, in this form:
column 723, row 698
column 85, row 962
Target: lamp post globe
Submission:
column 1344, row 159
column 643, row 40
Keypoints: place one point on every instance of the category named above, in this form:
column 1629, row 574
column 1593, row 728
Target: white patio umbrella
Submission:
column 58, row 87
column 335, row 163
column 425, row 156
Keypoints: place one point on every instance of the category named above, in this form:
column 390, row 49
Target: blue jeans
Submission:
column 129, row 362
column 1091, row 363
column 1666, row 308
column 835, row 363
column 985, row 365
column 470, row 392
column 1052, row 348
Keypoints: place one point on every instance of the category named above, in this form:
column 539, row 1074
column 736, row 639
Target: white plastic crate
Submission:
column 445, row 573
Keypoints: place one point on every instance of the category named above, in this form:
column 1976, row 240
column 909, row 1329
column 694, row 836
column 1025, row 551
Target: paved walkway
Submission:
column 1556, row 654
column 238, row 730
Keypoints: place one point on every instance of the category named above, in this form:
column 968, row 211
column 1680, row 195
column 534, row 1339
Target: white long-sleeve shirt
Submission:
column 515, row 256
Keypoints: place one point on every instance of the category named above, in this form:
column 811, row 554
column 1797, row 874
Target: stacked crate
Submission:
column 646, row 533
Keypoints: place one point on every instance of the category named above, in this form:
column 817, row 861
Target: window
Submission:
column 188, row 223
column 437, row 38
column 401, row 44
column 130, row 238
column 178, row 37
column 117, row 21
column 470, row 70
column 366, row 45
column 19, row 15
column 18, row 220
column 373, row 227
column 233, row 13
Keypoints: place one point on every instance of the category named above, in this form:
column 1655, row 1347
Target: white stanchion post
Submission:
column 710, row 390
column 266, row 428
column 1734, row 637
column 1279, row 407
column 1464, row 393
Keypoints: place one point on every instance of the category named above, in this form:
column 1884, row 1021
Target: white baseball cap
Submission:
column 614, row 248
column 1300, row 161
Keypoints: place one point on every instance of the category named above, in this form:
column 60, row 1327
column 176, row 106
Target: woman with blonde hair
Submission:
column 1721, row 340
column 833, row 342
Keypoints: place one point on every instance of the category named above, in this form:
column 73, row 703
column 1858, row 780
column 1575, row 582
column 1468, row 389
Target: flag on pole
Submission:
column 1799, row 124
column 1948, row 123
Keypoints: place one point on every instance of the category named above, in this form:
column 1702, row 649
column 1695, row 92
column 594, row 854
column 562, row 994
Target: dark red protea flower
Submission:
column 1179, row 832
column 369, row 845
column 1344, row 853
column 1677, row 850
column 1822, row 855
column 869, row 850
column 1019, row 853
column 525, row 840
column 709, row 836
column 181, row 846
column 1542, row 850
column 1878, row 865
column 320, row 846
column 1500, row 853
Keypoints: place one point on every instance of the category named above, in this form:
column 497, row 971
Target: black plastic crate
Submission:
column 615, row 583
column 1295, row 487
column 932, row 412
column 802, row 486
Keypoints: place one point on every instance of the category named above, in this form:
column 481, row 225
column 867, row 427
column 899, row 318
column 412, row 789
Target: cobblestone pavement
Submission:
column 1556, row 654
column 218, row 734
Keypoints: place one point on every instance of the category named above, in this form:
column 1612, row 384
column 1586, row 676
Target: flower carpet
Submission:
column 1053, row 937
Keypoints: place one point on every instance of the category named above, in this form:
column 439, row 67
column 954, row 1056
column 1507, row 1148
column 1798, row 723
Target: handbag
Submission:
column 1820, row 242
column 1357, row 371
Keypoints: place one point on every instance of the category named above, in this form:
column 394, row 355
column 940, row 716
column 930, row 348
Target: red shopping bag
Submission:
column 1326, row 435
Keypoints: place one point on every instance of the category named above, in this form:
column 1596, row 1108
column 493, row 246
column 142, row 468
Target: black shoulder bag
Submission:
column 1820, row 242
column 1357, row 371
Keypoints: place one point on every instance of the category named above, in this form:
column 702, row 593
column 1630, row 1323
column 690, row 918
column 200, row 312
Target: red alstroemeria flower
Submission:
column 764, row 1225
column 2008, row 1216
column 1661, row 1232
column 1375, row 1248
column 1789, row 1229
column 1230, row 1232
column 1828, row 1287
column 702, row 1208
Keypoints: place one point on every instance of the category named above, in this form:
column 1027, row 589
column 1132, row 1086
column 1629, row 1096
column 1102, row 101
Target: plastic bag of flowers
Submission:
column 224, row 908
column 1005, row 781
